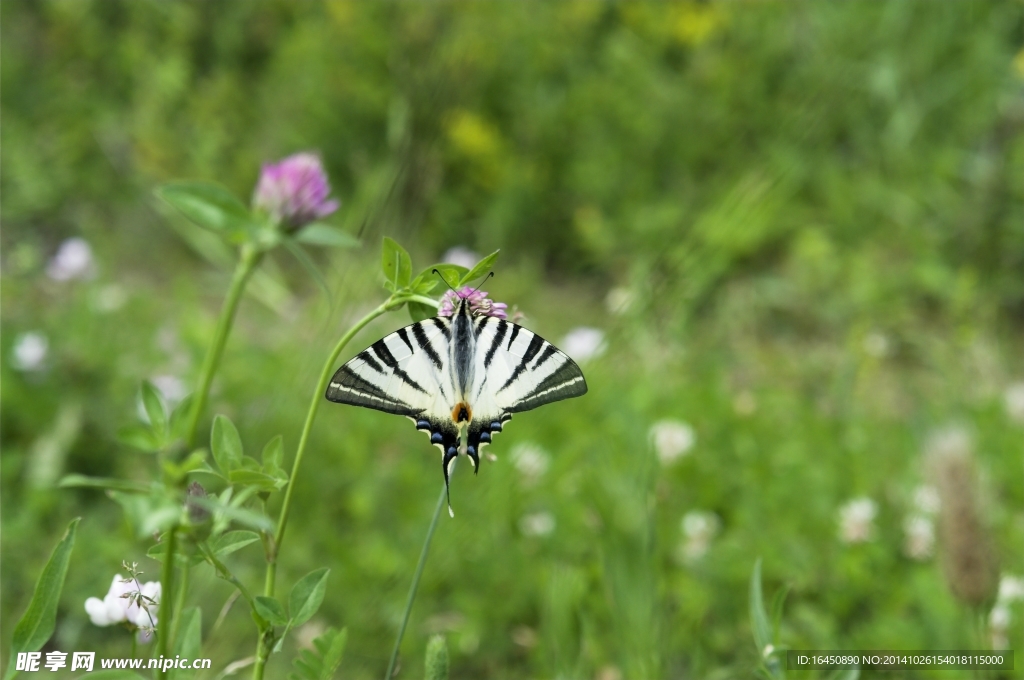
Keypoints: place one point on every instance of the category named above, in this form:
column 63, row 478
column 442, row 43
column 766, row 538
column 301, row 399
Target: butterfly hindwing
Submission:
column 516, row 370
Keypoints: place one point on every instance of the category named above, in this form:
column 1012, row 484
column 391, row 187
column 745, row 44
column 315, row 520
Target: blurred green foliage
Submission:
column 818, row 208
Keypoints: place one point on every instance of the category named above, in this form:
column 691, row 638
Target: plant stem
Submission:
column 247, row 261
column 416, row 581
column 166, row 595
column 392, row 303
column 314, row 406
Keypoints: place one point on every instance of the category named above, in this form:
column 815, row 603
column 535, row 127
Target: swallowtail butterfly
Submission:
column 463, row 375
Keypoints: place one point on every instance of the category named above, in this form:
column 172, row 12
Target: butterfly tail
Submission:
column 447, row 464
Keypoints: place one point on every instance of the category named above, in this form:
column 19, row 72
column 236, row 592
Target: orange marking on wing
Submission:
column 462, row 412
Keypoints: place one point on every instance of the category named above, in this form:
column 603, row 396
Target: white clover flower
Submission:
column 117, row 607
column 584, row 343
column 619, row 300
column 699, row 527
column 530, row 460
column 29, row 352
column 1013, row 399
column 72, row 261
column 919, row 537
column 672, row 439
column 462, row 256
column 926, row 499
column 856, row 520
column 1011, row 588
column 876, row 344
column 110, row 298
column 537, row 524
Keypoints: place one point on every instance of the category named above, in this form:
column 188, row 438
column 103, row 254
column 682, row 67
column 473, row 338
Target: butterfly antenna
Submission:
column 482, row 283
column 445, row 281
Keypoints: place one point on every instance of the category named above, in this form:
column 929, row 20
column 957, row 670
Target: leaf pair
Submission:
column 321, row 664
column 397, row 267
column 240, row 470
column 161, row 430
column 304, row 600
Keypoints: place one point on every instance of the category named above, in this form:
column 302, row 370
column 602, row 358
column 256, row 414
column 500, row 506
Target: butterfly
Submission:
column 458, row 376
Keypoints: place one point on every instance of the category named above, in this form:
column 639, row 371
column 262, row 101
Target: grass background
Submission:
column 779, row 185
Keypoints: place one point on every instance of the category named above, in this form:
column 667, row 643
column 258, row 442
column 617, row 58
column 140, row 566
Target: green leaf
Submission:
column 195, row 462
column 314, row 271
column 436, row 662
column 396, row 264
column 306, row 595
column 232, row 541
column 758, row 615
column 249, row 518
column 106, row 483
column 419, row 311
column 320, row 234
column 159, row 551
column 451, row 273
column 778, row 600
column 139, row 437
column 226, row 444
column 322, row 663
column 149, row 514
column 481, row 268
column 271, row 610
column 189, row 642
column 255, row 478
column 180, row 415
column 153, row 402
column 209, row 205
column 273, row 454
column 37, row 623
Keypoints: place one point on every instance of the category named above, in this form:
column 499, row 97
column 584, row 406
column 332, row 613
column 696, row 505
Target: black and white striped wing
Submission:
column 405, row 373
column 516, row 370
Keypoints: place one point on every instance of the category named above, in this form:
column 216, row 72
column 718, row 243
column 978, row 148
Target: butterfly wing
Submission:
column 515, row 370
column 405, row 373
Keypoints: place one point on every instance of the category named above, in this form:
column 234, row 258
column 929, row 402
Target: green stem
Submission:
column 135, row 643
column 314, row 406
column 225, row 573
column 416, row 581
column 166, row 595
column 179, row 605
column 249, row 258
column 392, row 303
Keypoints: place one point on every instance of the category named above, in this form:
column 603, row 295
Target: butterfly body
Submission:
column 458, row 377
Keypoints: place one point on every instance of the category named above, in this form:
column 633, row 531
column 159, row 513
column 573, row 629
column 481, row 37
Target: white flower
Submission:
column 110, row 298
column 919, row 537
column 672, row 439
column 619, row 300
column 115, row 607
column 952, row 440
column 876, row 344
column 72, row 261
column 926, row 499
column 1011, row 589
column 537, row 524
column 699, row 527
column 29, row 353
column 531, row 460
column 462, row 256
column 856, row 520
column 1013, row 398
column 584, row 343
column 999, row 617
